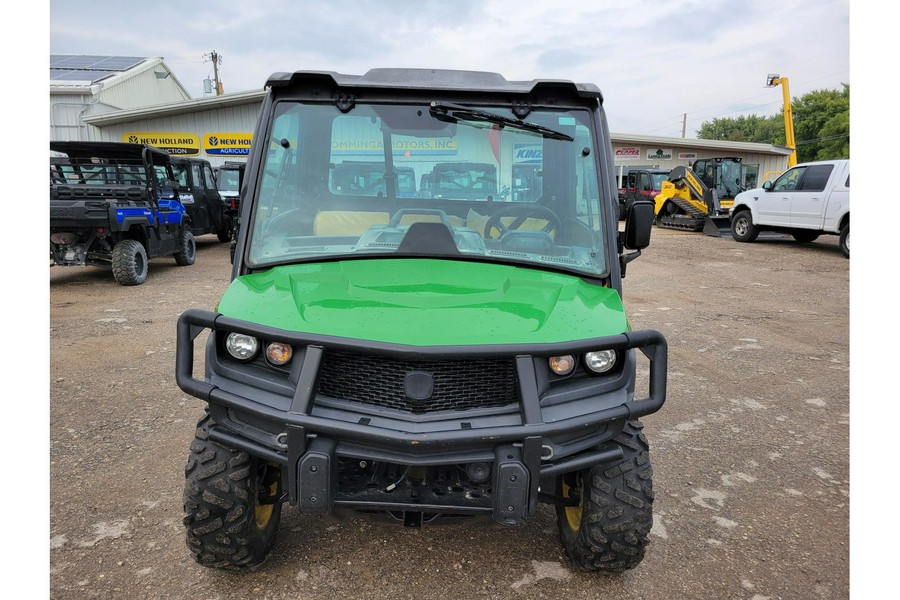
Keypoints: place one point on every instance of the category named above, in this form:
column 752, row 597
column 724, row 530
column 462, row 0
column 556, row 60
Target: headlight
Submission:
column 600, row 361
column 562, row 365
column 279, row 353
column 241, row 346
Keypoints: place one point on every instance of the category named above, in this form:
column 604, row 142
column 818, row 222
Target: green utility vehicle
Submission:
column 429, row 356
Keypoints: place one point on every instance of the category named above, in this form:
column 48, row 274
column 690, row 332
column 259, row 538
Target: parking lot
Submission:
column 750, row 452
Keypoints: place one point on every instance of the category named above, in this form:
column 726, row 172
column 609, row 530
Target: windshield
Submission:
column 656, row 180
column 383, row 180
column 228, row 180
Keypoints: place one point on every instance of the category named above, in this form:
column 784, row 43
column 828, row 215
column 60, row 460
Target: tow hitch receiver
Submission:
column 317, row 477
column 511, row 486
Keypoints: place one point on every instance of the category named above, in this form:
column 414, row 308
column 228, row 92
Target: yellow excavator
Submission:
column 698, row 198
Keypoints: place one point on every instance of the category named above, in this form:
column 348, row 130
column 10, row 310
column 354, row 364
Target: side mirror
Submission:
column 638, row 225
column 767, row 186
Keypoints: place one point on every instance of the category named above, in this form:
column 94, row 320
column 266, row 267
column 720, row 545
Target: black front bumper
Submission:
column 545, row 434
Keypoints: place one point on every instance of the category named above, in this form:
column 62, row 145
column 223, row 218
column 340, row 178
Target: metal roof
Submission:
column 630, row 138
column 86, row 69
column 175, row 108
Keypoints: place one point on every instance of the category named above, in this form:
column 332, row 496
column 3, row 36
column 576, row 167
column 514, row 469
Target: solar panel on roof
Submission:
column 89, row 67
column 82, row 61
column 117, row 63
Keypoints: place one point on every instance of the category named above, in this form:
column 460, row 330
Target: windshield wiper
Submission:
column 456, row 112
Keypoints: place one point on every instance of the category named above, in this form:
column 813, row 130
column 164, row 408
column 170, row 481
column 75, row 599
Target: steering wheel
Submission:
column 285, row 223
column 521, row 212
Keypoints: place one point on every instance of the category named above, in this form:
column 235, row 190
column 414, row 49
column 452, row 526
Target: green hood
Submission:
column 425, row 302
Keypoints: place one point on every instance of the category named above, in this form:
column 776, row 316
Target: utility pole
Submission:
column 772, row 81
column 216, row 61
column 684, row 126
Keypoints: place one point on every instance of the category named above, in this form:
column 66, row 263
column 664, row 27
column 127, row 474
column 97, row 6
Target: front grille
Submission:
column 380, row 381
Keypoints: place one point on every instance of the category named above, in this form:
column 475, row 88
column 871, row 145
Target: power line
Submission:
column 692, row 120
column 705, row 115
column 703, row 118
column 822, row 139
column 796, row 86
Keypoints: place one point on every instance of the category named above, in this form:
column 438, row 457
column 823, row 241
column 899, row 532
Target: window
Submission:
column 788, row 181
column 645, row 182
column 198, row 178
column 181, row 177
column 751, row 176
column 208, row 179
column 816, row 177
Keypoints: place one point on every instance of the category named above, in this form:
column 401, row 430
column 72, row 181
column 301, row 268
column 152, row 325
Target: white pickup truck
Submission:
column 806, row 201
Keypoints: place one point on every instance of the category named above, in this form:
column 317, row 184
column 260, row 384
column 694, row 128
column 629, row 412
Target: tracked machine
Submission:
column 690, row 201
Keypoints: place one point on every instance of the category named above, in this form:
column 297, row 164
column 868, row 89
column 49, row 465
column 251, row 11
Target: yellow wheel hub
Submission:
column 573, row 513
column 264, row 512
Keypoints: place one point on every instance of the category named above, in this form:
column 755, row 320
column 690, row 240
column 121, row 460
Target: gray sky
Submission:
column 653, row 60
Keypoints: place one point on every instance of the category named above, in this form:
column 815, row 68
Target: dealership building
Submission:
column 140, row 100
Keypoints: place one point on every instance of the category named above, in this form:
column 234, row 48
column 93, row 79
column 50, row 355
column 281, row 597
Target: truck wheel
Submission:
column 742, row 227
column 225, row 233
column 607, row 530
column 129, row 263
column 232, row 504
column 187, row 249
column 804, row 236
column 845, row 240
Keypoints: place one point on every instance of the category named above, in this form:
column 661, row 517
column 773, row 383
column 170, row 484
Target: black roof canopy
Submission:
column 110, row 150
column 439, row 80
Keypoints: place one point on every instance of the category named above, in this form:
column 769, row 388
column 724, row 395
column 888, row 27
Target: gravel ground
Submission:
column 750, row 452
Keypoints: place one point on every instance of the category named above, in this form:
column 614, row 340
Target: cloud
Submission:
column 654, row 62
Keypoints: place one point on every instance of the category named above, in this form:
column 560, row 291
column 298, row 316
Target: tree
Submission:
column 821, row 126
column 834, row 138
column 750, row 128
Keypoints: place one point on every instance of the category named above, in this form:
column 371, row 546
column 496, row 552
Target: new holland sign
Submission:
column 227, row 144
column 173, row 142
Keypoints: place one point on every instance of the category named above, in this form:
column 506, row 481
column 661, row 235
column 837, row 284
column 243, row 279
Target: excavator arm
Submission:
column 700, row 193
column 772, row 81
column 686, row 203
